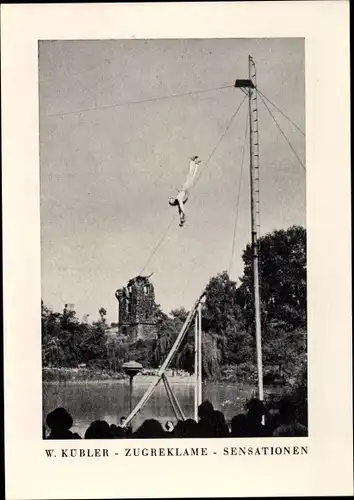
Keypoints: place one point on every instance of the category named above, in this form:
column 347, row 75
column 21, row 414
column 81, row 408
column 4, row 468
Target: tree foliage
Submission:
column 282, row 269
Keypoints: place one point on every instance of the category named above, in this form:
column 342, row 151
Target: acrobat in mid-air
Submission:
column 181, row 199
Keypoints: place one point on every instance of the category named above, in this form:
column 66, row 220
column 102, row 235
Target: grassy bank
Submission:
column 241, row 375
column 57, row 374
column 54, row 374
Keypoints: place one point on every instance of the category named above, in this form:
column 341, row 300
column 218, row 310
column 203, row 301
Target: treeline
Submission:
column 229, row 351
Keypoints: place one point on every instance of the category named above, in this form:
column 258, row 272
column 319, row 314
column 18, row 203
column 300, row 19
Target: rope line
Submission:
column 117, row 105
column 281, row 112
column 282, row 132
column 238, row 196
column 175, row 215
column 218, row 143
column 158, row 244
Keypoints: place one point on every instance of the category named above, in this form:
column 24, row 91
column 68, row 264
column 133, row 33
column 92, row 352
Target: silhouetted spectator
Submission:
column 186, row 429
column 238, row 425
column 99, row 429
column 59, row 422
column 117, row 432
column 220, row 426
column 191, row 428
column 272, row 421
column 289, row 427
column 205, row 409
column 254, row 426
column 151, row 428
column 127, row 430
column 206, row 421
column 178, row 430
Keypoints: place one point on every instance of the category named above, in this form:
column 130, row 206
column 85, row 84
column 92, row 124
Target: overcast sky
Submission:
column 107, row 175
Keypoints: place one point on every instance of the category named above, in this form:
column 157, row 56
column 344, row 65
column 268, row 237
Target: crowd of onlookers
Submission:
column 259, row 420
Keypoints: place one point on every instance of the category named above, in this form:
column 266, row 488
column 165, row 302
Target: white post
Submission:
column 200, row 358
column 196, row 370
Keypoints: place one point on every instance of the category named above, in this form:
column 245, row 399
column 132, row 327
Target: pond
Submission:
column 89, row 401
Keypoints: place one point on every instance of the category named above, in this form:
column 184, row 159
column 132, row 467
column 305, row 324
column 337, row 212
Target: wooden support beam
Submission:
column 166, row 363
column 167, row 387
column 172, row 397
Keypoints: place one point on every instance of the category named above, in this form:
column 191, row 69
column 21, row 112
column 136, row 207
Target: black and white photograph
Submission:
column 173, row 238
column 176, row 250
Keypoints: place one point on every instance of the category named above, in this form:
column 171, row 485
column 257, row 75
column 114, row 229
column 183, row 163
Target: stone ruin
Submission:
column 137, row 318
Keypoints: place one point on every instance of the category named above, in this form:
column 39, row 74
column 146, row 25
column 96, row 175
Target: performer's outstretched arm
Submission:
column 181, row 212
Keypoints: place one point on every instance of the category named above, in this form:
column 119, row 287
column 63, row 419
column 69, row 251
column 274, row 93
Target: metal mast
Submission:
column 250, row 88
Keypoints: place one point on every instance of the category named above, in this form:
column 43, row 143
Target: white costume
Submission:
column 183, row 193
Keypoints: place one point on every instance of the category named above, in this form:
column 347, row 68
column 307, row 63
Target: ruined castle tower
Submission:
column 137, row 309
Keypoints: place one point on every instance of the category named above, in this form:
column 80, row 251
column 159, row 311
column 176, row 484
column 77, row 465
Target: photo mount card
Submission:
column 176, row 186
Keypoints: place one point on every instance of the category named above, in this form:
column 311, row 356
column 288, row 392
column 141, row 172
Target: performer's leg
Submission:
column 193, row 168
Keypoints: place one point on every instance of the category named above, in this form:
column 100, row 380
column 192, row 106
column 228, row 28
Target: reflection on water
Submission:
column 109, row 401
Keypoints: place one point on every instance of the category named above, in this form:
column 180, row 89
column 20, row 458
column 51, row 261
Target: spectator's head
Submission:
column 271, row 402
column 287, row 410
column 59, row 420
column 122, row 421
column 190, row 428
column 205, row 409
column 272, row 420
column 179, row 429
column 99, row 429
column 255, row 409
column 220, row 426
column 186, row 429
column 238, row 425
column 151, row 428
column 118, row 432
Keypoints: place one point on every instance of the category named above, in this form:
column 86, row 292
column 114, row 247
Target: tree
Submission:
column 103, row 313
column 239, row 346
column 223, row 319
column 220, row 307
column 168, row 329
column 61, row 334
column 284, row 355
column 70, row 337
column 51, row 349
column 283, row 292
column 93, row 341
column 142, row 351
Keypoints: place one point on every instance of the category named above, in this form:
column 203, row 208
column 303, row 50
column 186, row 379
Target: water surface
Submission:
column 109, row 400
